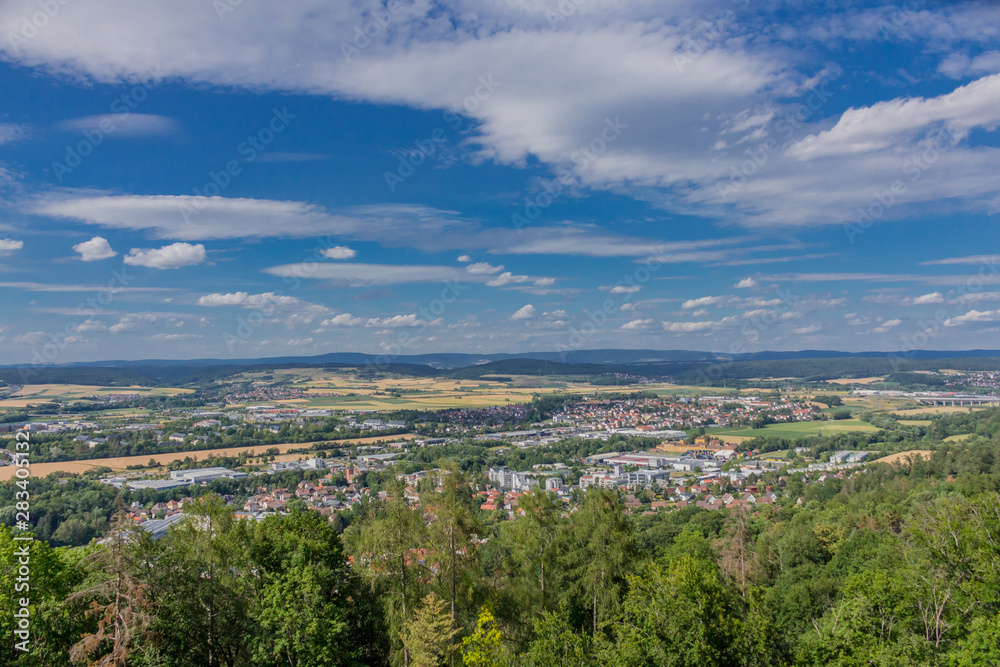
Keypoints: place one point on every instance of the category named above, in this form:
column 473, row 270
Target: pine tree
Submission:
column 430, row 635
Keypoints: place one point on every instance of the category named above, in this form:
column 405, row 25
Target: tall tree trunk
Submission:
column 402, row 577
column 451, row 545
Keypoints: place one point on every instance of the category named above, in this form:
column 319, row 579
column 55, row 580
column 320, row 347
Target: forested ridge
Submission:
column 891, row 565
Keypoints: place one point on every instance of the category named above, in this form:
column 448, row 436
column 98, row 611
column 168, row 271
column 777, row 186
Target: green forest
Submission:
column 892, row 565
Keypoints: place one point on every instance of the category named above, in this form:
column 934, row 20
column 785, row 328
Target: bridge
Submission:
column 959, row 400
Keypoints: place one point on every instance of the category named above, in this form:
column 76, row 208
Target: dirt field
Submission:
column 843, row 381
column 901, row 457
column 122, row 462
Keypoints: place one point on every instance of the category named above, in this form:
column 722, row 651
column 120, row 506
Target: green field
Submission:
column 794, row 430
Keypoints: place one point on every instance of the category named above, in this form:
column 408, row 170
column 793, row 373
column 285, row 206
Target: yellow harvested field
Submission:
column 916, row 422
column 959, row 438
column 936, row 410
column 902, row 457
column 123, row 462
column 40, row 393
column 842, row 381
column 353, row 393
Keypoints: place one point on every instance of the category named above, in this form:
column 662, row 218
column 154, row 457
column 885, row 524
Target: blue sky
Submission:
column 220, row 179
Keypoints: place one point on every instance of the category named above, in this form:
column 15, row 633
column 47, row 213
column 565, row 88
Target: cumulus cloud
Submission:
column 507, row 278
column 7, row 246
column 960, row 65
column 973, row 317
column 638, row 325
column 262, row 301
column 133, row 322
column 803, row 331
column 887, row 326
column 624, row 289
column 746, row 283
column 483, row 268
column 464, row 258
column 866, row 129
column 173, row 256
column 343, row 320
column 94, row 250
column 339, row 252
column 90, row 326
column 932, row 298
column 524, row 313
column 701, row 302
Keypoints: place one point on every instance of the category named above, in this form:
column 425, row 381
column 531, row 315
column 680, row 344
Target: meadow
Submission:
column 793, row 430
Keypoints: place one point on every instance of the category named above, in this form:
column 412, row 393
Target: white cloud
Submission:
column 41, row 337
column 624, row 289
column 483, row 268
column 173, row 256
column 294, row 311
column 433, row 55
column 349, row 274
column 133, row 322
column 396, row 321
column 507, row 278
column 339, row 252
column 90, row 325
column 804, row 331
column 959, row 65
column 637, row 53
column 8, row 246
column 702, row 302
column 94, row 250
column 688, row 327
column 638, row 325
column 12, row 132
column 464, row 258
column 972, row 260
column 867, row 129
column 265, row 301
column 166, row 338
column 524, row 313
column 888, row 325
column 933, row 297
column 973, row 317
column 975, row 297
column 123, row 125
column 343, row 320
column 746, row 283
column 57, row 287
column 300, row 342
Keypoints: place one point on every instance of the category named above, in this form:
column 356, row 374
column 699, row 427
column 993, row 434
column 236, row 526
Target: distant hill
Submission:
column 682, row 366
column 531, row 367
column 600, row 356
